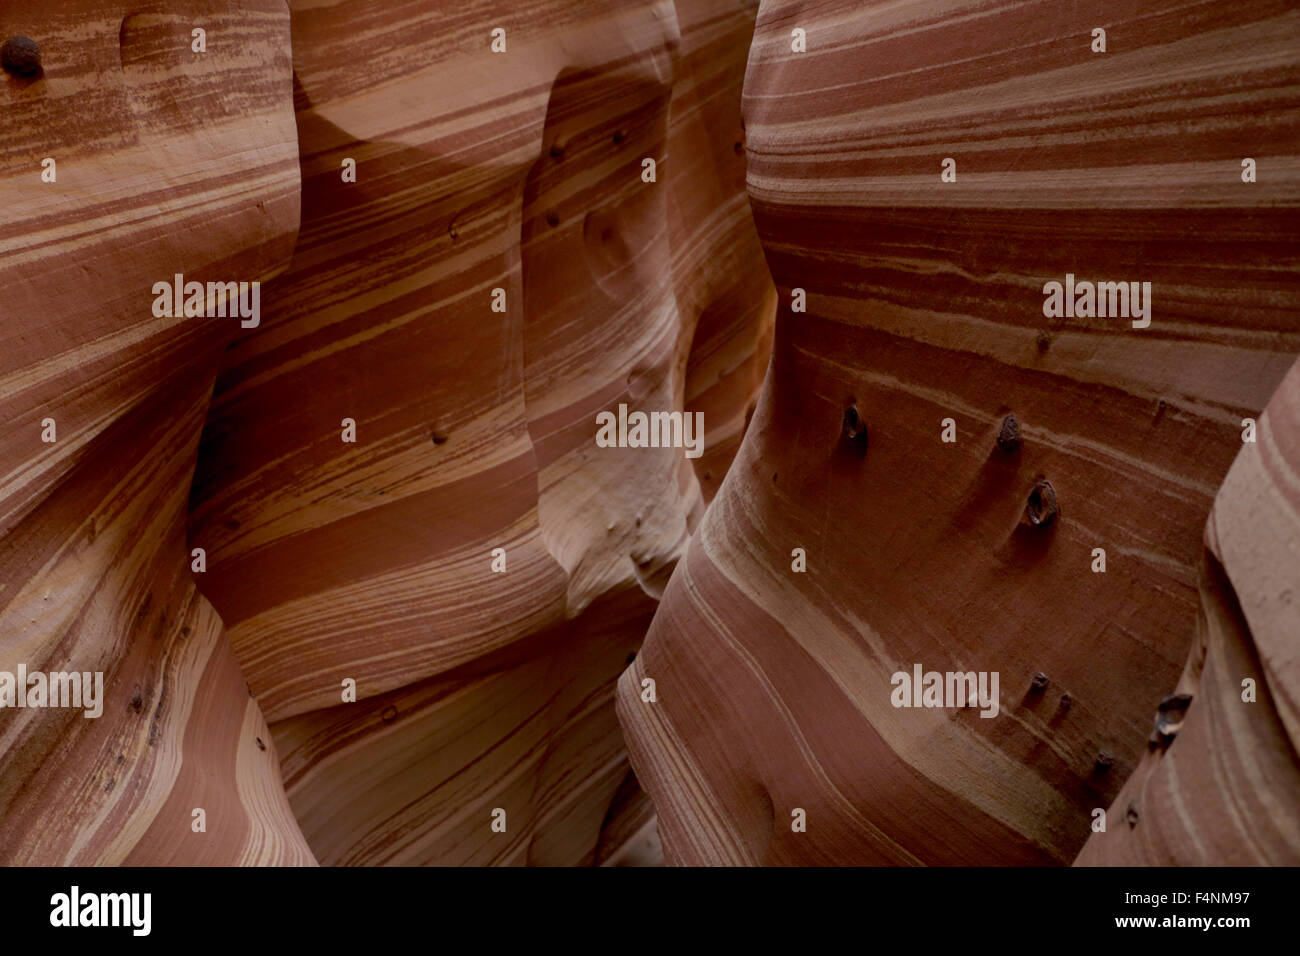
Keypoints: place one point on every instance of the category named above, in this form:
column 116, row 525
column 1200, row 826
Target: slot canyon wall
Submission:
column 923, row 298
column 374, row 561
column 358, row 577
column 1227, row 793
column 165, row 163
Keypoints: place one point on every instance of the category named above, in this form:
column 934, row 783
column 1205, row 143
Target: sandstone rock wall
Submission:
column 1223, row 788
column 165, row 162
column 370, row 561
column 924, row 302
column 182, row 507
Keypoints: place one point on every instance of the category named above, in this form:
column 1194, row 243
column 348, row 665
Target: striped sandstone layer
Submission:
column 372, row 561
column 722, row 285
column 166, row 161
column 924, row 302
column 1226, row 789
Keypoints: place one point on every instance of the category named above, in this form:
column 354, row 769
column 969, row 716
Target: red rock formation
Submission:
column 501, row 268
column 371, row 561
column 165, row 161
column 1223, row 785
column 924, row 302
column 721, row 294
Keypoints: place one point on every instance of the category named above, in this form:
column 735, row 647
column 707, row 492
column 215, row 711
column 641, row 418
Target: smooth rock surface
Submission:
column 166, row 162
column 372, row 560
column 924, row 302
column 1226, row 789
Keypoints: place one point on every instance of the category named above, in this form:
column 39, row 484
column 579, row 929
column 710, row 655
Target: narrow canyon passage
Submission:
column 627, row 432
column 920, row 175
column 419, row 570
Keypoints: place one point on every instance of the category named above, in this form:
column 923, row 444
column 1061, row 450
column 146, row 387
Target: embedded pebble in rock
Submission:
column 1042, row 509
column 21, row 56
column 1009, row 434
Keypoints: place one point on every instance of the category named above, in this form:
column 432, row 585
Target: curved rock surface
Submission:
column 165, row 161
column 497, row 271
column 378, row 518
column 373, row 561
column 1221, row 784
column 925, row 312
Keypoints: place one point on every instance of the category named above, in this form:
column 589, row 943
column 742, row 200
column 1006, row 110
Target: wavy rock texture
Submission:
column 369, row 560
column 167, row 161
column 722, row 286
column 924, row 302
column 1225, row 790
column 518, row 171
column 521, row 171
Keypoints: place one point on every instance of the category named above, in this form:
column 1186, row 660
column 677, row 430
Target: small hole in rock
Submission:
column 853, row 427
